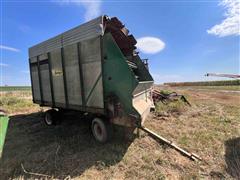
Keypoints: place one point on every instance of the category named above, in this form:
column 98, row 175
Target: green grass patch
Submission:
column 165, row 92
column 172, row 107
column 10, row 101
column 206, row 83
column 184, row 140
column 15, row 88
column 227, row 88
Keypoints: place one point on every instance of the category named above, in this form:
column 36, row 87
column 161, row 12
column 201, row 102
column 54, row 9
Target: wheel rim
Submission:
column 98, row 132
column 48, row 119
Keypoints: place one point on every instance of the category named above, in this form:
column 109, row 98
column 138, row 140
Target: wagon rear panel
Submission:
column 69, row 77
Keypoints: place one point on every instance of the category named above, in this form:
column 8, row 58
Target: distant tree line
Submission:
column 206, row 83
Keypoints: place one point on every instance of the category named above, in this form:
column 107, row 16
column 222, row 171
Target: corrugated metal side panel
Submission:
column 85, row 55
column 57, row 76
column 43, row 57
column 72, row 74
column 96, row 98
column 33, row 60
column 46, row 46
column 35, row 82
column 46, row 89
column 85, row 31
column 92, row 72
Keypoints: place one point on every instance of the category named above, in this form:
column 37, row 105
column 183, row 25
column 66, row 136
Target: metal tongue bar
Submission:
column 192, row 156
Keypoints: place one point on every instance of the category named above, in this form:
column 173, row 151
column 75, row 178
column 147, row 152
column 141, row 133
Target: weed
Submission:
column 16, row 102
column 210, row 128
column 174, row 107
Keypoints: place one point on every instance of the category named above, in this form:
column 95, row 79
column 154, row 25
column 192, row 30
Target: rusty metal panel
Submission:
column 57, row 76
column 85, row 31
column 72, row 75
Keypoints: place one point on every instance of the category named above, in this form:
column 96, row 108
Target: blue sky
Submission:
column 183, row 40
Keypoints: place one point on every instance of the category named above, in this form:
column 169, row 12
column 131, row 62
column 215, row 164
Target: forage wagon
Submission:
column 93, row 68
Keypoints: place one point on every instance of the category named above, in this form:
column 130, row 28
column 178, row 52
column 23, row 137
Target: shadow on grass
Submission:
column 64, row 150
column 232, row 157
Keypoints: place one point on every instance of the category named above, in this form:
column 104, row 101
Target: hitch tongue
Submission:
column 192, row 156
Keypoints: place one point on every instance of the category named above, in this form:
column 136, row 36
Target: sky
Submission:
column 183, row 40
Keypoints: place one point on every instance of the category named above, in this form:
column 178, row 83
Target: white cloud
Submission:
column 150, row 45
column 9, row 48
column 231, row 24
column 3, row 65
column 93, row 8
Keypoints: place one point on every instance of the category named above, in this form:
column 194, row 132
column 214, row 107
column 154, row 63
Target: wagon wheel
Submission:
column 101, row 130
column 51, row 117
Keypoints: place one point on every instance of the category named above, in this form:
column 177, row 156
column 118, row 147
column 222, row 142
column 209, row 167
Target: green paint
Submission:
column 142, row 72
column 3, row 130
column 118, row 78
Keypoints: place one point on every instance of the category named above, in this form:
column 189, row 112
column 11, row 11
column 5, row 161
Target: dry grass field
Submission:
column 209, row 128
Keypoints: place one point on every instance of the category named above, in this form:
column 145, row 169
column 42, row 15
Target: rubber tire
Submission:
column 50, row 117
column 101, row 130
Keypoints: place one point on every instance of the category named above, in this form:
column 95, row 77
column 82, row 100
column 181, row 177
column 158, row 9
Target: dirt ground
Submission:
column 209, row 128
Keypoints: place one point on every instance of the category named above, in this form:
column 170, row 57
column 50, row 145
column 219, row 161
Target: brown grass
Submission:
column 17, row 101
column 210, row 128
